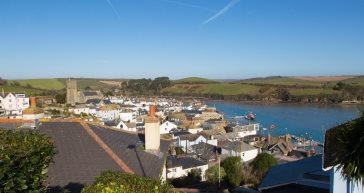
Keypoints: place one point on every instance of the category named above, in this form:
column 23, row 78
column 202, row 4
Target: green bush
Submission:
column 24, row 160
column 233, row 168
column 117, row 182
column 262, row 163
column 212, row 174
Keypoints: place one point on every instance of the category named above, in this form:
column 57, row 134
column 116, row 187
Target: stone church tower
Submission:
column 72, row 94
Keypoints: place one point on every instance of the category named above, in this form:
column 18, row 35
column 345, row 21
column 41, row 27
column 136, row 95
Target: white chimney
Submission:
column 152, row 134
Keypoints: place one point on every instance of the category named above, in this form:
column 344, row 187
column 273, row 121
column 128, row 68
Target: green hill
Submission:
column 46, row 84
column 18, row 89
column 194, row 80
column 284, row 81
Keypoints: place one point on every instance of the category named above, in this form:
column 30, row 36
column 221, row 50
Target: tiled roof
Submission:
column 185, row 162
column 125, row 146
column 80, row 158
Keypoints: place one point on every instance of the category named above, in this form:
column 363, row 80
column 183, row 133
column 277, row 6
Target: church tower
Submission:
column 72, row 95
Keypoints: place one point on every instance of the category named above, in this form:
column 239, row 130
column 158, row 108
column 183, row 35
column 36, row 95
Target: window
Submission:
column 174, row 170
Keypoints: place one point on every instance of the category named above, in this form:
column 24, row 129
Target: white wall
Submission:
column 249, row 155
column 340, row 185
column 178, row 172
column 166, row 127
column 14, row 103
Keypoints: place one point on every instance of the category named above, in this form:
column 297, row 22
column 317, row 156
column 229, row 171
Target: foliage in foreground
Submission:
column 262, row 163
column 193, row 177
column 351, row 138
column 117, row 182
column 24, row 160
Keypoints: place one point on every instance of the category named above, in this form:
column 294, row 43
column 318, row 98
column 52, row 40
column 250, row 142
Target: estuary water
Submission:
column 302, row 120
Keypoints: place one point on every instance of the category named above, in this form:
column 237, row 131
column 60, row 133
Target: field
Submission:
column 215, row 88
column 47, row 84
column 357, row 81
column 15, row 89
column 194, row 80
column 285, row 81
column 324, row 78
column 92, row 83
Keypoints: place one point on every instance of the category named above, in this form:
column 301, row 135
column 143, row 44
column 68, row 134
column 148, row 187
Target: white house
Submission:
column 128, row 116
column 241, row 149
column 127, row 126
column 187, row 140
column 180, row 166
column 13, row 104
column 245, row 130
column 80, row 109
column 107, row 113
column 166, row 127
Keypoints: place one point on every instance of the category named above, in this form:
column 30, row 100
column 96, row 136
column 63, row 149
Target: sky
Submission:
column 217, row 39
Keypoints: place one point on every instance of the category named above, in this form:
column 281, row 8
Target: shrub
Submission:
column 24, row 160
column 115, row 182
column 233, row 168
column 212, row 174
column 262, row 163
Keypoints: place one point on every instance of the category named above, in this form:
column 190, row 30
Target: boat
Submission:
column 250, row 116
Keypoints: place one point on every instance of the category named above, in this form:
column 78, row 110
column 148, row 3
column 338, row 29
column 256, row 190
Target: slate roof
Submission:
column 79, row 159
column 206, row 151
column 125, row 146
column 93, row 101
column 239, row 146
column 89, row 93
column 308, row 169
column 186, row 162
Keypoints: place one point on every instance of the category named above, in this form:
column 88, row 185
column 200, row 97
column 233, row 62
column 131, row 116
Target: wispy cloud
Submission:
column 189, row 5
column 221, row 12
column 113, row 8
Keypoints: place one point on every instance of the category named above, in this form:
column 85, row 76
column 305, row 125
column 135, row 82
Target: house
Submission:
column 240, row 149
column 211, row 115
column 107, row 112
column 187, row 140
column 180, row 166
column 79, row 109
column 206, row 152
column 300, row 176
column 13, row 104
column 88, row 94
column 127, row 126
column 166, row 127
column 246, row 130
column 128, row 115
column 333, row 149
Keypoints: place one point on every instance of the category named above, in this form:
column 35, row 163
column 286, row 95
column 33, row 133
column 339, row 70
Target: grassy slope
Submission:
column 194, row 80
column 83, row 83
column 217, row 88
column 48, row 84
column 358, row 81
column 286, row 81
column 14, row 89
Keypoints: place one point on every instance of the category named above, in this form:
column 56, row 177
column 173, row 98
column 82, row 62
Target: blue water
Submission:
column 302, row 120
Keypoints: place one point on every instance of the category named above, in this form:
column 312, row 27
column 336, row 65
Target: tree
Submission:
column 283, row 94
column 233, row 169
column 61, row 98
column 115, row 182
column 350, row 144
column 3, row 81
column 16, row 83
column 212, row 174
column 29, row 86
column 262, row 163
column 25, row 157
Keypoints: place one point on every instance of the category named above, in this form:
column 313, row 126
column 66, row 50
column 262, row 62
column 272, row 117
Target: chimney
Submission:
column 33, row 102
column 152, row 133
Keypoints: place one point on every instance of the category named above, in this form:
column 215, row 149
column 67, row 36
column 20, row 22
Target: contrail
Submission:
column 222, row 11
column 113, row 8
column 189, row 5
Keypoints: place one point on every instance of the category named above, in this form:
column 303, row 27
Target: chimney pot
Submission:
column 152, row 110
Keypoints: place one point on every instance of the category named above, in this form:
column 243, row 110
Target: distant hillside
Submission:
column 46, row 84
column 194, row 80
column 96, row 84
column 20, row 89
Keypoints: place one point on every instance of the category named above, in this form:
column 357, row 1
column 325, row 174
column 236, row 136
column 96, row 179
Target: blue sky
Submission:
column 221, row 39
